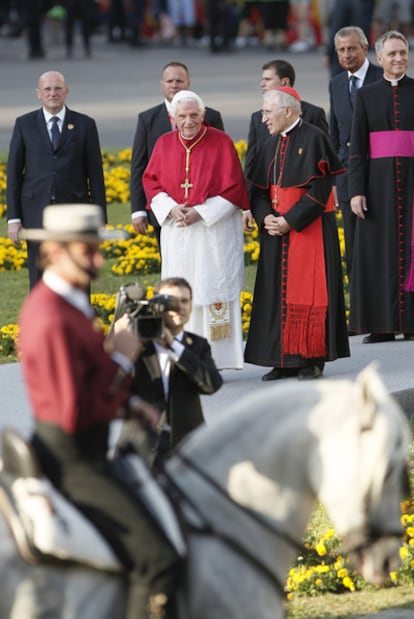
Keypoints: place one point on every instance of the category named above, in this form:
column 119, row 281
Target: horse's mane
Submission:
column 300, row 412
column 261, row 409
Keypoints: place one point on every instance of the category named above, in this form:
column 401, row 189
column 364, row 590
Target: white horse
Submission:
column 246, row 485
column 267, row 461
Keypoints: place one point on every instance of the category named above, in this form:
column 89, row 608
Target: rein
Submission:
column 209, row 528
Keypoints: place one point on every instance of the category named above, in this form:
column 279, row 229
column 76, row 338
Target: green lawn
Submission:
column 351, row 605
column 14, row 284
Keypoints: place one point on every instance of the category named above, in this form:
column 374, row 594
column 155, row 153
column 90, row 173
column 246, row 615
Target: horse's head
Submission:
column 361, row 479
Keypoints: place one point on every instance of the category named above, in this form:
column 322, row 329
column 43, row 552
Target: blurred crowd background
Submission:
column 297, row 26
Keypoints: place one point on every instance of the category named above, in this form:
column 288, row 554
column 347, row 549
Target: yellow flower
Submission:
column 342, row 573
column 320, row 549
column 348, row 583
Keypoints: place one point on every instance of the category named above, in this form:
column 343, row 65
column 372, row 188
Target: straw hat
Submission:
column 72, row 222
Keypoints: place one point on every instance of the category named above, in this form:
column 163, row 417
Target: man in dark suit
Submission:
column 277, row 73
column 54, row 158
column 352, row 48
column 153, row 123
column 172, row 372
column 344, row 12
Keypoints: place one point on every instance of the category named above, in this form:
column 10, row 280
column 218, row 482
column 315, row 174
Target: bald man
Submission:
column 54, row 158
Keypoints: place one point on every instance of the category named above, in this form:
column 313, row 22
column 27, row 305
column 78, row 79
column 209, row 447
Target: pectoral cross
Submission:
column 186, row 186
column 275, row 200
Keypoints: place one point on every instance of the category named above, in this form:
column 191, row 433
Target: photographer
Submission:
column 78, row 382
column 171, row 373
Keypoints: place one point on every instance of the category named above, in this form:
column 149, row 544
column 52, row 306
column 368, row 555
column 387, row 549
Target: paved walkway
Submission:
column 393, row 359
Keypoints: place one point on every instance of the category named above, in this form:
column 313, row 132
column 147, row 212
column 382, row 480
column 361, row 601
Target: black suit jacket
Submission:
column 340, row 120
column 37, row 176
column 258, row 131
column 193, row 374
column 151, row 125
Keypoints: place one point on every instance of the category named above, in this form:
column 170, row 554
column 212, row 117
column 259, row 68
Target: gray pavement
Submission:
column 114, row 86
column 394, row 361
column 118, row 82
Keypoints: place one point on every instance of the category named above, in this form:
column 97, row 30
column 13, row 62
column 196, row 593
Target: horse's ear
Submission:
column 371, row 390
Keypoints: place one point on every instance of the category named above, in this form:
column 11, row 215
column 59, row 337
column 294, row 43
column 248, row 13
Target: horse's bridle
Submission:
column 208, row 528
column 355, row 541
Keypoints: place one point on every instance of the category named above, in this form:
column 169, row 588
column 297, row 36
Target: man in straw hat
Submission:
column 298, row 315
column 78, row 381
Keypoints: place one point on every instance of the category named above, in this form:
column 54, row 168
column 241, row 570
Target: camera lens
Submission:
column 150, row 327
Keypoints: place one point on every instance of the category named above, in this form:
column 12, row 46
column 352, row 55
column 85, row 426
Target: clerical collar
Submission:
column 289, row 129
column 394, row 82
column 193, row 137
column 76, row 297
column 362, row 71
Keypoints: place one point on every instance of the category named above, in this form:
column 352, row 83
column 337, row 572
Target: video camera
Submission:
column 147, row 314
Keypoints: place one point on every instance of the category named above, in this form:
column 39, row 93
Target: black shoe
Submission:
column 310, row 372
column 408, row 336
column 279, row 373
column 375, row 338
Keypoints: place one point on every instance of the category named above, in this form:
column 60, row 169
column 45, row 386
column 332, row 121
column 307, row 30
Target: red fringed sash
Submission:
column 304, row 330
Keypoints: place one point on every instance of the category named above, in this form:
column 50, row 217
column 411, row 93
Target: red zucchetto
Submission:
column 289, row 91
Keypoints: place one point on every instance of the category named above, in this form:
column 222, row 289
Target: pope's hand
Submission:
column 247, row 221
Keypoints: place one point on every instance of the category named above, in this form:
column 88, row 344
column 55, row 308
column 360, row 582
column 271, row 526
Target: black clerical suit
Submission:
column 258, row 131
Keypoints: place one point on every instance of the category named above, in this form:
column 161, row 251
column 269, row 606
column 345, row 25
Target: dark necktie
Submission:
column 55, row 133
column 353, row 88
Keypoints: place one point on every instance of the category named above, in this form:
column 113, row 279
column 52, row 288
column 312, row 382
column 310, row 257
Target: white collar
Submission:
column 286, row 131
column 361, row 72
column 168, row 106
column 61, row 115
column 394, row 82
column 76, row 297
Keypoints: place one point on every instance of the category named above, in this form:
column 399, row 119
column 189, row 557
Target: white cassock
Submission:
column 210, row 256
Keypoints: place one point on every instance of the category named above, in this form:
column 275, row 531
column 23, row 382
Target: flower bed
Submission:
column 321, row 568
